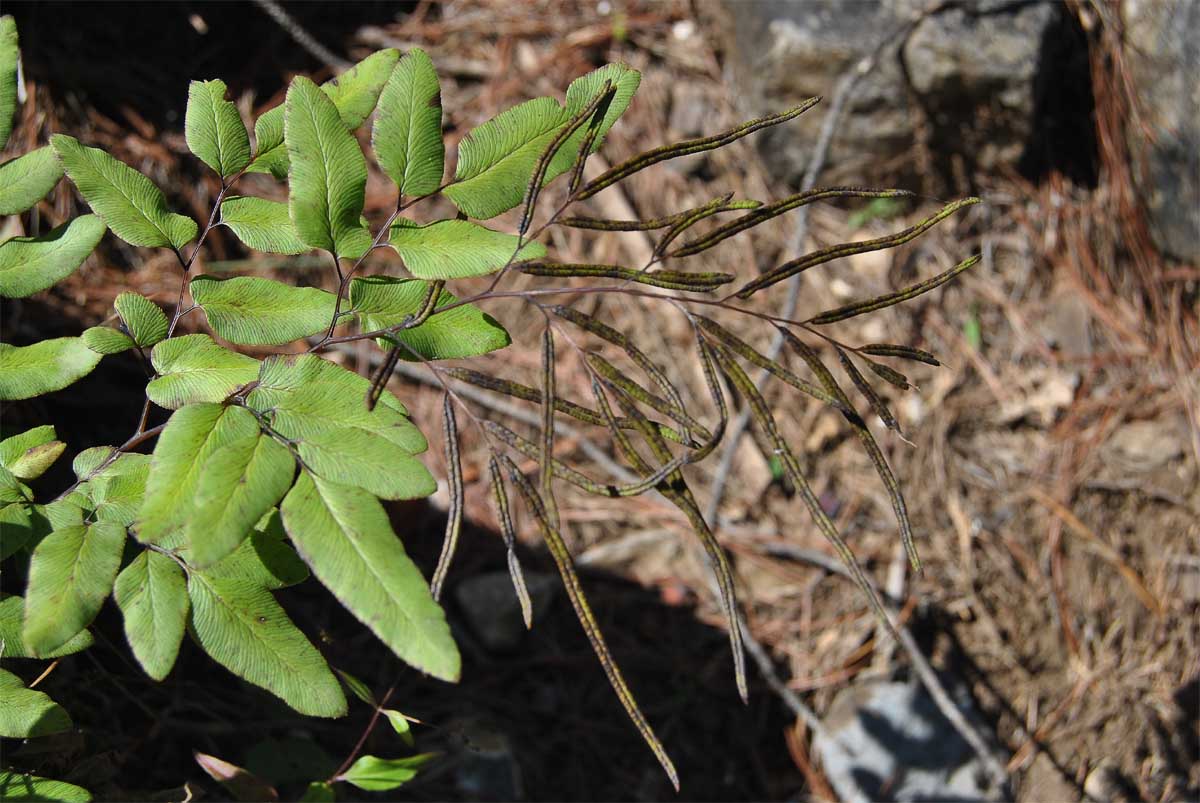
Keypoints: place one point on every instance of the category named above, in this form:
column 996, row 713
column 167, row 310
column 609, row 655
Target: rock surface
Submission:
column 1162, row 51
column 890, row 741
column 967, row 84
column 490, row 605
column 975, row 73
column 785, row 52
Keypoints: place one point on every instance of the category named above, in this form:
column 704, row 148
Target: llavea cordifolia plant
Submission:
column 271, row 468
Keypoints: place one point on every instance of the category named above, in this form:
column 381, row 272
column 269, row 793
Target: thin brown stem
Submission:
column 362, row 739
column 490, row 295
column 344, row 280
column 137, row 439
column 187, row 264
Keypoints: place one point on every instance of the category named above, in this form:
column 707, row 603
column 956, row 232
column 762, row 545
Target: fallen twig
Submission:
column 302, row 37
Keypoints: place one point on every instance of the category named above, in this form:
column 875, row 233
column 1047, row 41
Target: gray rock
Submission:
column 968, row 81
column 689, row 118
column 975, row 73
column 889, row 741
column 787, row 51
column 485, row 767
column 1162, row 51
column 490, row 606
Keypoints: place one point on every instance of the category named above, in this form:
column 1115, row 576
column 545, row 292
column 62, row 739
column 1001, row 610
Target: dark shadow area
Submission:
column 1064, row 107
column 100, row 409
column 1062, row 138
column 1187, row 698
column 143, row 54
column 536, row 722
column 561, row 731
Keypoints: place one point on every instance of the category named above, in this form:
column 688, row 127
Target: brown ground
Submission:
column 1051, row 477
